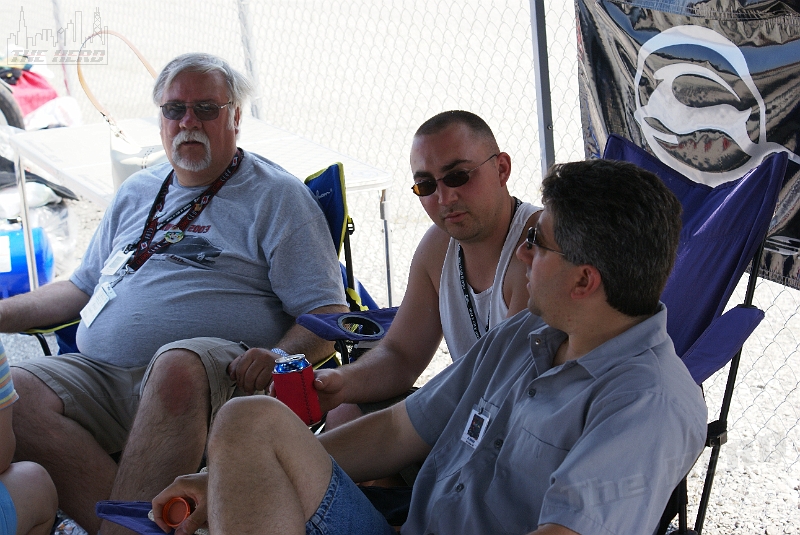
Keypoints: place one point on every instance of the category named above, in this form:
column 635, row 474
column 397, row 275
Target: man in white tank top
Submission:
column 464, row 276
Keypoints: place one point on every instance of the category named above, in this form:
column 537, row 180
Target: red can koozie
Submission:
column 294, row 386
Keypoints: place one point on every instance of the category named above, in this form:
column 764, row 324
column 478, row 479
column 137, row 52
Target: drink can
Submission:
column 294, row 386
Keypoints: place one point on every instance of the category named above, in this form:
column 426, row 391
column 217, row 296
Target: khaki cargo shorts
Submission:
column 103, row 398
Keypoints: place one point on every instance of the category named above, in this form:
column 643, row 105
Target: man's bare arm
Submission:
column 50, row 304
column 298, row 339
column 394, row 364
column 377, row 445
column 252, row 370
column 515, row 284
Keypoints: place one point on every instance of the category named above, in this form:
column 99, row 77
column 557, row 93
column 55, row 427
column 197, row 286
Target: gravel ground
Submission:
column 750, row 494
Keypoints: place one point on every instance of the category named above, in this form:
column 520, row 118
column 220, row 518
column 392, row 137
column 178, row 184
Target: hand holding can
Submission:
column 293, row 377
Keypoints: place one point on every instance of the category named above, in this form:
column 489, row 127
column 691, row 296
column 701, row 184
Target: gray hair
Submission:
column 239, row 86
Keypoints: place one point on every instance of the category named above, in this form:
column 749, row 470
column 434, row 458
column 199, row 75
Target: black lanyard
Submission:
column 143, row 250
column 467, row 299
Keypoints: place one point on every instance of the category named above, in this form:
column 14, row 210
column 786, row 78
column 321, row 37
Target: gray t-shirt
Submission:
column 258, row 255
column 596, row 444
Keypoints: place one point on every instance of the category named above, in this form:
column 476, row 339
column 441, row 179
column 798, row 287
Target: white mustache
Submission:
column 191, row 135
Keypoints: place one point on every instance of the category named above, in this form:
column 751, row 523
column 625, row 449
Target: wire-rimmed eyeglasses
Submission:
column 453, row 179
column 204, row 111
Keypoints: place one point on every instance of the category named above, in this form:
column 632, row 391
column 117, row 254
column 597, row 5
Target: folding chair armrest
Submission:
column 65, row 335
column 52, row 328
column 720, row 341
column 363, row 326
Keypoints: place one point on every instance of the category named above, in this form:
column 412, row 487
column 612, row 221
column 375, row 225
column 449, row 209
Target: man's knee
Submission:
column 36, row 477
column 247, row 414
column 178, row 382
column 32, row 491
column 250, row 410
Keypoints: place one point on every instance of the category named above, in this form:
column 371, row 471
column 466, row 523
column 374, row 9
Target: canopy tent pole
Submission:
column 542, row 81
column 250, row 60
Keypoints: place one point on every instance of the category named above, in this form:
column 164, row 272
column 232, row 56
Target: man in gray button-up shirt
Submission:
column 575, row 416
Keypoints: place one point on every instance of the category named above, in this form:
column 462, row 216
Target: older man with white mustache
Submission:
column 220, row 249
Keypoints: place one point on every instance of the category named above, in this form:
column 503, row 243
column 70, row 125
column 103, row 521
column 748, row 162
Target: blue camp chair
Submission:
column 723, row 231
column 355, row 332
column 328, row 187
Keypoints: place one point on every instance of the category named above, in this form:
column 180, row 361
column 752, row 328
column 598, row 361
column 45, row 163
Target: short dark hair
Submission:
column 439, row 122
column 620, row 219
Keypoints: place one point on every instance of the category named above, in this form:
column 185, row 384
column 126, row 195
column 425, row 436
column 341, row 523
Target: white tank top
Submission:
column 489, row 306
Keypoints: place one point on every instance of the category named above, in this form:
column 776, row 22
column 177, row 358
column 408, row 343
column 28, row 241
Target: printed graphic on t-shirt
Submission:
column 193, row 249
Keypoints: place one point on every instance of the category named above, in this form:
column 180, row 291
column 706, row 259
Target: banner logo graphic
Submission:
column 709, row 143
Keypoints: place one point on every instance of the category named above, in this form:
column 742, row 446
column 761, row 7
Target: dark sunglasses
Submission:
column 204, row 111
column 451, row 180
column 530, row 241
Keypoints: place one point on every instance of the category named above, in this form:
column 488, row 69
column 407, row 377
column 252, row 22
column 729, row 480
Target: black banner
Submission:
column 708, row 87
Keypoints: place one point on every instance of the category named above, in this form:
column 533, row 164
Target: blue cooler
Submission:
column 13, row 265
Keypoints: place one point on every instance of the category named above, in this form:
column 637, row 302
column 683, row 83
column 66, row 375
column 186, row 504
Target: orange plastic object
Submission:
column 176, row 511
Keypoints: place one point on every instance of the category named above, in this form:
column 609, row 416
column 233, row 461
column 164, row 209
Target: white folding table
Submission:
column 79, row 158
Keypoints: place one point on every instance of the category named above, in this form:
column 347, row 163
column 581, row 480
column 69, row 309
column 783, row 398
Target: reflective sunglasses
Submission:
column 451, row 180
column 204, row 111
column 530, row 241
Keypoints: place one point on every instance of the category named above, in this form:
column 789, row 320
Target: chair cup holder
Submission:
column 361, row 325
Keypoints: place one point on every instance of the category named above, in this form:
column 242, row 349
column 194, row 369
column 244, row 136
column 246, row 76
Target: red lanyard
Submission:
column 143, row 250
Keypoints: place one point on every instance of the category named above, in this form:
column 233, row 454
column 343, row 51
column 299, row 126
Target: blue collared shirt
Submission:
column 596, row 444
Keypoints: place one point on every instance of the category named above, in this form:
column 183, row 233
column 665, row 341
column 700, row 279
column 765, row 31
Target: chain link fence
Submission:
column 765, row 411
column 359, row 76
